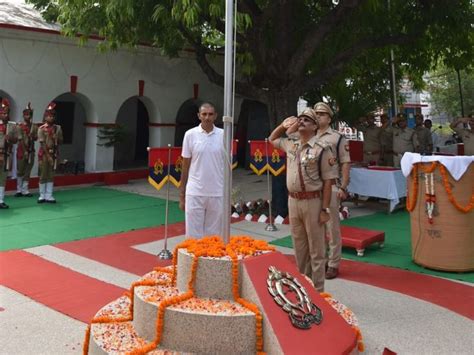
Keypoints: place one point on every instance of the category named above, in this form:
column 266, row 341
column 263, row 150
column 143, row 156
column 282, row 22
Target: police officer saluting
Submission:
column 50, row 136
column 311, row 170
column 25, row 154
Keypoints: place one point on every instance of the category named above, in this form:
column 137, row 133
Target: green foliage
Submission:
column 290, row 48
column 443, row 86
column 109, row 136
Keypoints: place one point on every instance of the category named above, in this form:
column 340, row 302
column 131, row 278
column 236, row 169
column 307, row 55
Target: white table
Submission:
column 388, row 184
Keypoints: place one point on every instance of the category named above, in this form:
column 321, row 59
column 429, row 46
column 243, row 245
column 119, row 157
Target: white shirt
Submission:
column 206, row 172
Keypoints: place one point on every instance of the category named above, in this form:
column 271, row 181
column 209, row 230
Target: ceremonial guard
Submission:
column 25, row 154
column 311, row 171
column 8, row 137
column 50, row 136
column 340, row 147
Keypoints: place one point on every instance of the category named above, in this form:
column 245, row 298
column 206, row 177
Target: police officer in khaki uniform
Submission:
column 466, row 134
column 403, row 139
column 423, row 140
column 50, row 136
column 372, row 146
column 311, row 170
column 340, row 147
column 25, row 154
column 8, row 137
column 386, row 141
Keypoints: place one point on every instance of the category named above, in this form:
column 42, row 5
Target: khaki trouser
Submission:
column 396, row 159
column 334, row 240
column 370, row 157
column 308, row 239
column 46, row 172
column 3, row 173
column 24, row 168
column 387, row 156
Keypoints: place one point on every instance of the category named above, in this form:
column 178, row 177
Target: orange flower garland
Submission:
column 410, row 204
column 207, row 247
column 447, row 187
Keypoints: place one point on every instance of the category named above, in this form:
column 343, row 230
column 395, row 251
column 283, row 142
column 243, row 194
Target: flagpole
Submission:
column 270, row 225
column 165, row 254
column 227, row 117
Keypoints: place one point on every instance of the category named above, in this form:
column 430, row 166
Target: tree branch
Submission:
column 337, row 65
column 315, row 38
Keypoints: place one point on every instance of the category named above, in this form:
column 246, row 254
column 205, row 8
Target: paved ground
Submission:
column 388, row 317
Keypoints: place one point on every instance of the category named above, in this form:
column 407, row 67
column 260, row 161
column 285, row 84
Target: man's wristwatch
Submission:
column 327, row 210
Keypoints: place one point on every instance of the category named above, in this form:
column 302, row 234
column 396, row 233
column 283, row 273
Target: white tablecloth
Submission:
column 390, row 184
column 456, row 165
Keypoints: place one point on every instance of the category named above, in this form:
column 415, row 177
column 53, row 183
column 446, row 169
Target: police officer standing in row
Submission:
column 311, row 171
column 50, row 136
column 25, row 154
column 404, row 139
column 340, row 147
column 8, row 137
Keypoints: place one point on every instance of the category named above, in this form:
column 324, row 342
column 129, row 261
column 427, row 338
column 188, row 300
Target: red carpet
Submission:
column 59, row 288
column 116, row 249
column 451, row 295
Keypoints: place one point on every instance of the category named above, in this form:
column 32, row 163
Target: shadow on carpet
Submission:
column 397, row 249
column 79, row 214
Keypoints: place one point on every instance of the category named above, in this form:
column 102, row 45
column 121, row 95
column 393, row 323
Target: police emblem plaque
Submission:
column 290, row 295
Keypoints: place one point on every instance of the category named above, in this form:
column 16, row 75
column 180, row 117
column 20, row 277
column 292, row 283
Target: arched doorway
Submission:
column 71, row 114
column 186, row 118
column 133, row 117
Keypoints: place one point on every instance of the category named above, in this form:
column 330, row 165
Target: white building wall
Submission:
column 36, row 67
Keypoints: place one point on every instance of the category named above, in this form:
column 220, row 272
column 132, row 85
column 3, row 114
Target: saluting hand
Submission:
column 290, row 124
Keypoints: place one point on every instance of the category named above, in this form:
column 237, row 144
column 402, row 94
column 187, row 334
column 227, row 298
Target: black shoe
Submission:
column 29, row 194
column 4, row 206
column 41, row 200
column 50, row 201
column 18, row 194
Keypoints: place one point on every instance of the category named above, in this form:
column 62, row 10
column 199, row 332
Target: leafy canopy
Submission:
column 287, row 48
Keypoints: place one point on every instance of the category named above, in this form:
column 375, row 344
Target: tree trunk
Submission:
column 280, row 104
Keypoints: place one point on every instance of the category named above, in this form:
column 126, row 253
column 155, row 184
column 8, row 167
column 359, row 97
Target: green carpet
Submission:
column 397, row 249
column 79, row 214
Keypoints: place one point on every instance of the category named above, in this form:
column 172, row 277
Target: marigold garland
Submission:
column 212, row 246
column 449, row 191
column 411, row 203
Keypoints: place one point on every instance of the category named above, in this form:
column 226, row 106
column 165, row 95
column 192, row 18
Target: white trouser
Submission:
column 19, row 184
column 203, row 216
column 2, row 194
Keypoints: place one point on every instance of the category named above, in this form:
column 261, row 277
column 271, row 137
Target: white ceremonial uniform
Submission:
column 205, row 186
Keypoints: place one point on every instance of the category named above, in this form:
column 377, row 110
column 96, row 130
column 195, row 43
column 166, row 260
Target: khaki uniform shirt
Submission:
column 26, row 137
column 467, row 137
column 48, row 136
column 403, row 140
column 7, row 132
column 386, row 139
column 423, row 142
column 307, row 157
column 372, row 139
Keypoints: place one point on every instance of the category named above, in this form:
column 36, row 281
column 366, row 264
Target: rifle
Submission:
column 7, row 150
column 55, row 148
column 31, row 144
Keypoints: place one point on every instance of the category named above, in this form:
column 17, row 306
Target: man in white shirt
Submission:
column 202, row 178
